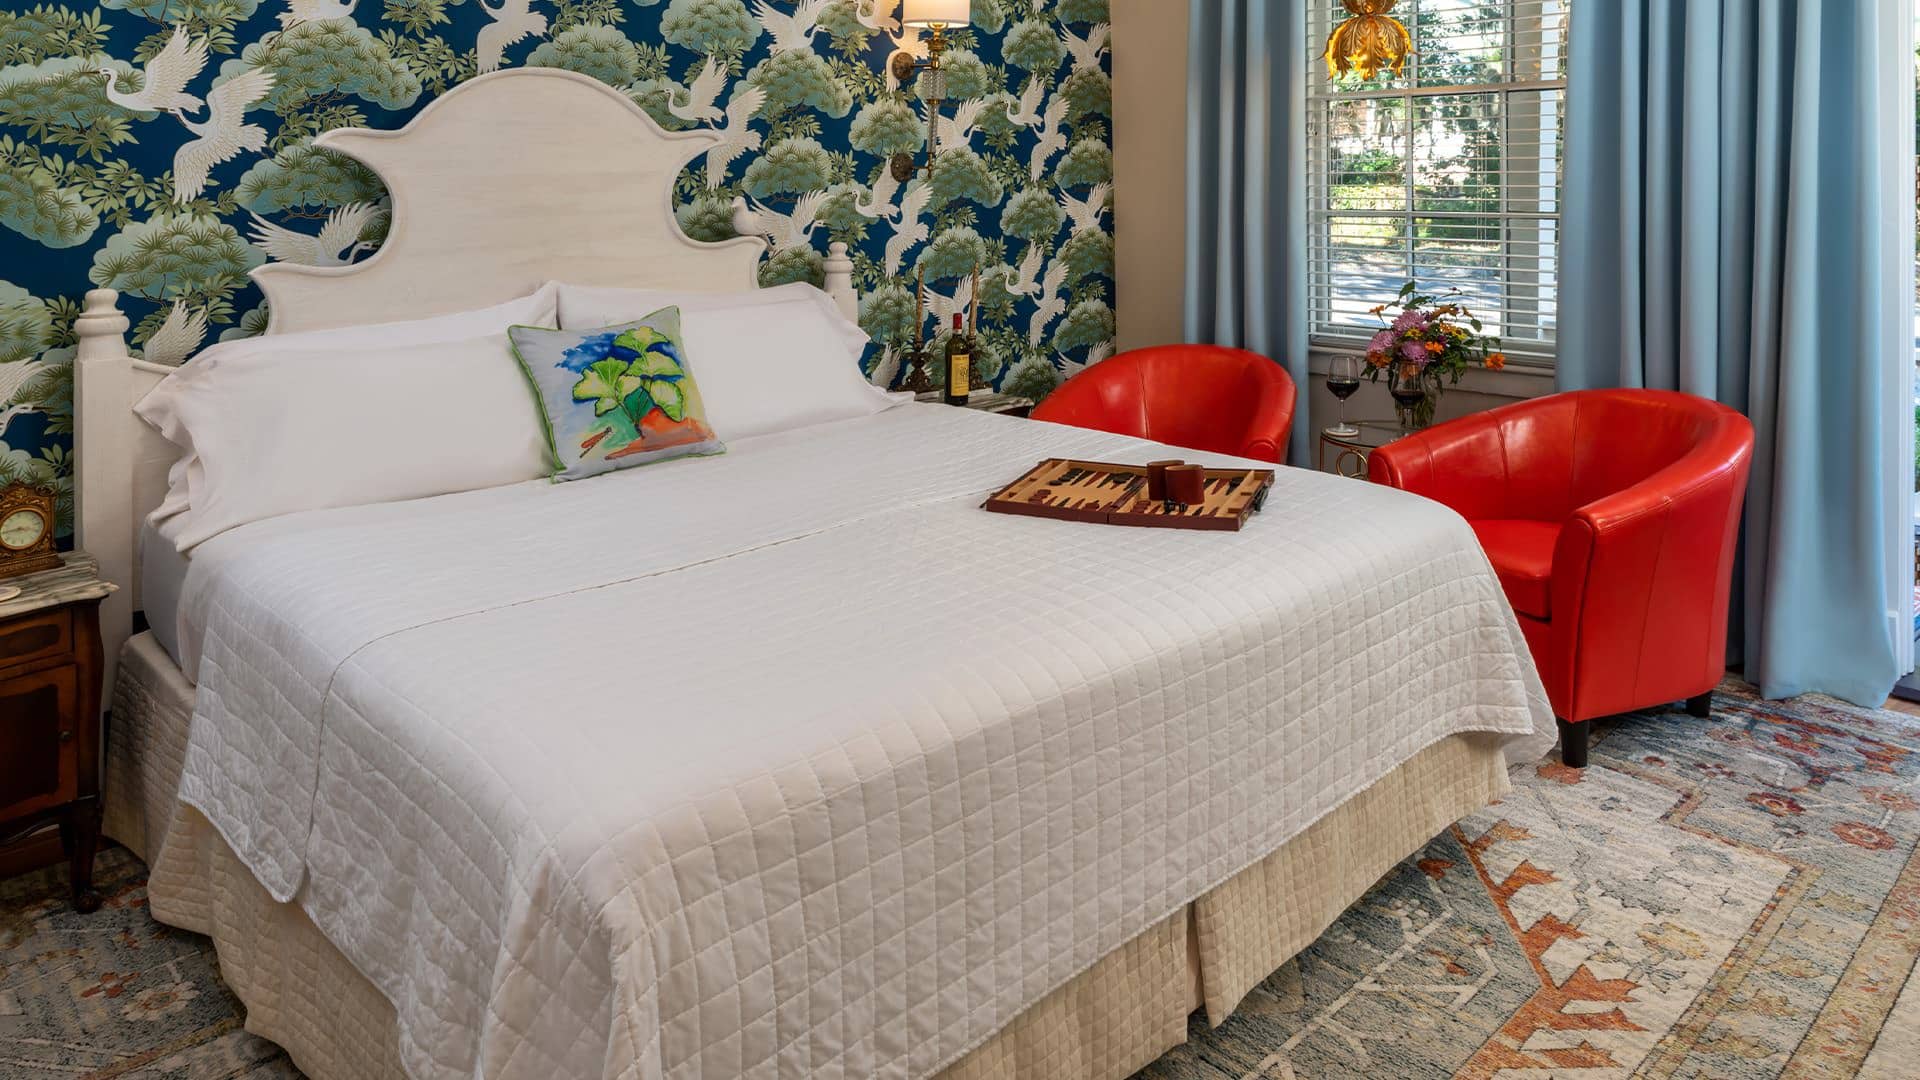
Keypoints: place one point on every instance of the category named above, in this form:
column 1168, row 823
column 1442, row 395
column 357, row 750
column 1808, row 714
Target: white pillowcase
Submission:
column 768, row 359
column 282, row 432
column 340, row 402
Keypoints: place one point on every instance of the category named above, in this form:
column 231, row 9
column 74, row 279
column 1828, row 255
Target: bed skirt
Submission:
column 1104, row 1024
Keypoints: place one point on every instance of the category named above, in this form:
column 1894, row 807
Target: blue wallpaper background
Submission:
column 88, row 187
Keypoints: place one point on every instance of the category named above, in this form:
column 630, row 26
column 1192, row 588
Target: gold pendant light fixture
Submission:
column 1368, row 41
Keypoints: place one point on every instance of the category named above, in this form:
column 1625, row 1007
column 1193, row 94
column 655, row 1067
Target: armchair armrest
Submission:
column 1270, row 424
column 1641, row 580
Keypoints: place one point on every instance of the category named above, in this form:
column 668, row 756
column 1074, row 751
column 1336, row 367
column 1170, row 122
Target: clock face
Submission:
column 22, row 529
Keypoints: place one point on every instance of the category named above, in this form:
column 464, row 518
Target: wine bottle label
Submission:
column 962, row 364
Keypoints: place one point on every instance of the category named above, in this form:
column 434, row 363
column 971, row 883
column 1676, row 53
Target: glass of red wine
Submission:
column 1343, row 380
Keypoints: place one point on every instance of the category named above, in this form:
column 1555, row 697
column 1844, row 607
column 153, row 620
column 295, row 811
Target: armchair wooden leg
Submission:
column 1573, row 744
column 1700, row 705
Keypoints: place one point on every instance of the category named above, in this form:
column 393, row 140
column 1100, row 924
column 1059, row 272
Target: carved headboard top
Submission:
column 507, row 181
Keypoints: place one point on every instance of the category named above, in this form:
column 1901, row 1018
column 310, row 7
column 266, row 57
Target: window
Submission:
column 1448, row 174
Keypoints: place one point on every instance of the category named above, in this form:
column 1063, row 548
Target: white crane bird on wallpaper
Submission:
column 1053, row 301
column 790, row 31
column 956, row 131
column 910, row 228
column 876, row 15
column 178, row 337
column 1027, row 112
column 782, row 231
column 886, row 368
column 224, row 133
column 337, row 244
column 13, row 376
column 163, row 84
column 1026, row 280
column 1085, row 214
column 299, row 11
column 1069, row 367
column 701, row 95
column 877, row 201
column 1053, row 137
column 944, row 308
column 512, row 20
column 737, row 137
column 1086, row 51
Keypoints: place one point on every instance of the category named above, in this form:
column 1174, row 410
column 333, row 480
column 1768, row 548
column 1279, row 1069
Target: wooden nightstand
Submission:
column 50, row 674
column 991, row 401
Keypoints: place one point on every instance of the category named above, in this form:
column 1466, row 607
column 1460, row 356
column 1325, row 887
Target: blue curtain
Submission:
column 1728, row 232
column 1246, row 259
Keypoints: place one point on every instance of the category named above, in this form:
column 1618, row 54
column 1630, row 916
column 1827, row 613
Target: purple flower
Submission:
column 1409, row 320
column 1414, row 352
column 1382, row 342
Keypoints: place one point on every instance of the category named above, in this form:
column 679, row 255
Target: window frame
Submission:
column 1323, row 334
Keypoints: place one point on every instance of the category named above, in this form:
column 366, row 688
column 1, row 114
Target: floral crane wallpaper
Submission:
column 163, row 148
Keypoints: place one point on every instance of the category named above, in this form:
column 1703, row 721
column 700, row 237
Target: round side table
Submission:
column 1350, row 451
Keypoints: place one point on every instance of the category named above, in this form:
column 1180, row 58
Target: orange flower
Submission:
column 1377, row 359
column 1496, row 361
column 1377, row 309
column 1436, row 348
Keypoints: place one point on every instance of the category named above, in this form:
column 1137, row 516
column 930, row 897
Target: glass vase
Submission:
column 1415, row 392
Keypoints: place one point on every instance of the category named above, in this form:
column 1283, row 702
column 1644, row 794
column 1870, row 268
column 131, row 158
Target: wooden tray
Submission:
column 1111, row 494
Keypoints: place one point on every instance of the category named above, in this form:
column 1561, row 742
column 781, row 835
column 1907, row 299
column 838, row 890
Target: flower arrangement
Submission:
column 1426, row 348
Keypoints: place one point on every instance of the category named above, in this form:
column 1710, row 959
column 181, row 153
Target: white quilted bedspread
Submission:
column 794, row 762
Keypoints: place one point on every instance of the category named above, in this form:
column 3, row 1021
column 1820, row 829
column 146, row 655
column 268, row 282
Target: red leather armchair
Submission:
column 1609, row 516
column 1206, row 397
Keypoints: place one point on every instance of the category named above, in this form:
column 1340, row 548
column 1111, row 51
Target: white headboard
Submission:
column 507, row 181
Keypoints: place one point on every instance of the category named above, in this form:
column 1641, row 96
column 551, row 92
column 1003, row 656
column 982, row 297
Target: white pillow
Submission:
column 768, row 360
column 159, row 407
column 282, row 431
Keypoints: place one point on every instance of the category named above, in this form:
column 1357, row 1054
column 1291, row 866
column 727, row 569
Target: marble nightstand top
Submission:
column 76, row 579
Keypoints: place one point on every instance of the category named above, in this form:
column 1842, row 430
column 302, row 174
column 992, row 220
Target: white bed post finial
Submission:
column 101, row 321
column 840, row 280
column 103, row 524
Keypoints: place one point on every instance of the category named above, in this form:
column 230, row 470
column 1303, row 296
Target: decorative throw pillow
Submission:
column 615, row 396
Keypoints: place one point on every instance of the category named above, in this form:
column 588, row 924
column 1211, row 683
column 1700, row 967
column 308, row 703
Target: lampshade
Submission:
column 931, row 12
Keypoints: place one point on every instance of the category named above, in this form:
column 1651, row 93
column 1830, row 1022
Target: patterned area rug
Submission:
column 115, row 994
column 1730, row 898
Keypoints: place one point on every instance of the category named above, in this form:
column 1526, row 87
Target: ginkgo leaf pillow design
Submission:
column 615, row 396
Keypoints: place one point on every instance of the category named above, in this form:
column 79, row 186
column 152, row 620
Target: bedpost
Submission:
column 103, row 476
column 840, row 280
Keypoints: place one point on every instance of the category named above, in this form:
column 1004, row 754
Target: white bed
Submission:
column 163, row 576
column 787, row 762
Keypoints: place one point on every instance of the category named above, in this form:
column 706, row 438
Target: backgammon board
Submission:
column 1111, row 494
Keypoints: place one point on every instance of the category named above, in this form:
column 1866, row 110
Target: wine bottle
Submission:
column 959, row 363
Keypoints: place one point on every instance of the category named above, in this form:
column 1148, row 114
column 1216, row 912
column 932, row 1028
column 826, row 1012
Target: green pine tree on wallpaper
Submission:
column 112, row 181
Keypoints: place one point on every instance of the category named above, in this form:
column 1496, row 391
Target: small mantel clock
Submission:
column 26, row 530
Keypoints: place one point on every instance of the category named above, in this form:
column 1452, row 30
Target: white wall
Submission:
column 1149, row 169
